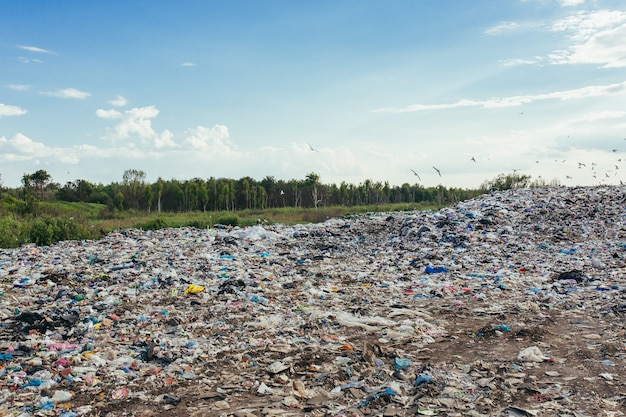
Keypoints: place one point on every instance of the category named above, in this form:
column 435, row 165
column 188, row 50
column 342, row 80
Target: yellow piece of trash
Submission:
column 194, row 289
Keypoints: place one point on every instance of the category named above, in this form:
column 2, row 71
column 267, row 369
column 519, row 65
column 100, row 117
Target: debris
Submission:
column 508, row 304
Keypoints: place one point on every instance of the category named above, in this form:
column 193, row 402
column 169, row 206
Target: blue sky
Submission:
column 377, row 89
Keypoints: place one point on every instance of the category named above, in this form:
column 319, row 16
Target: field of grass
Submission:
column 49, row 222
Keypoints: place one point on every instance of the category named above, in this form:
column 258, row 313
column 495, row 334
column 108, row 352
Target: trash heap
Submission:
column 510, row 304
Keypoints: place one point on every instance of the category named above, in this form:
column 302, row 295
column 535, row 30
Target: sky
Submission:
column 350, row 90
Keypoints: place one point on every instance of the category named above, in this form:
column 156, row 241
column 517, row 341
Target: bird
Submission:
column 473, row 159
column 613, row 150
column 438, row 172
column 312, row 148
column 416, row 174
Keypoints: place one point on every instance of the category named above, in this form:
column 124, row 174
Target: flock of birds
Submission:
column 568, row 177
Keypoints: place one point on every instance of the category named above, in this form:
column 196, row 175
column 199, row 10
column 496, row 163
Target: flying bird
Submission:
column 473, row 159
column 416, row 174
column 438, row 172
column 312, row 148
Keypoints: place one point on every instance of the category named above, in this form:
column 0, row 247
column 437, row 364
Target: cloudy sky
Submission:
column 348, row 89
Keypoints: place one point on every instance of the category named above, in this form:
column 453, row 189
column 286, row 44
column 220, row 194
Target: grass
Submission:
column 52, row 221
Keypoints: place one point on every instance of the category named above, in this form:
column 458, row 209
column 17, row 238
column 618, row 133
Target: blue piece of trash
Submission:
column 423, row 379
column 401, row 363
column 435, row 269
column 120, row 267
column 33, row 383
column 371, row 397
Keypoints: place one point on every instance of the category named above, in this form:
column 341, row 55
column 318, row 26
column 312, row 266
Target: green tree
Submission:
column 119, row 201
column 159, row 193
column 312, row 181
column 148, row 195
column 506, row 182
column 37, row 181
column 133, row 181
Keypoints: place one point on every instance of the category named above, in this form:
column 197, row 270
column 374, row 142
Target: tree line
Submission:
column 225, row 194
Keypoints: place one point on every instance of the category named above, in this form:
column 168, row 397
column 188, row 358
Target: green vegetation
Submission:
column 43, row 212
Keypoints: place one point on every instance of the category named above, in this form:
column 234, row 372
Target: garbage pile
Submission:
column 510, row 304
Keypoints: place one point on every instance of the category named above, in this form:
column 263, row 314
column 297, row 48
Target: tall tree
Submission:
column 37, row 181
column 133, row 181
column 159, row 193
column 312, row 181
column 148, row 195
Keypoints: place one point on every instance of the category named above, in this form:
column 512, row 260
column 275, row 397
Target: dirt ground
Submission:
column 582, row 374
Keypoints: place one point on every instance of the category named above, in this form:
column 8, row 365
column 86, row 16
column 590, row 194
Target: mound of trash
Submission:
column 510, row 304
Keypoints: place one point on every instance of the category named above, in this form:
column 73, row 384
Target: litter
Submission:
column 398, row 313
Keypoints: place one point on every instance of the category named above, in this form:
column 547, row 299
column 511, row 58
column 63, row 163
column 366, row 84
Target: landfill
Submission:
column 509, row 304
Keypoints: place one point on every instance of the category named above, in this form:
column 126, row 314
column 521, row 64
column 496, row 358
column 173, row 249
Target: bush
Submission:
column 228, row 220
column 154, row 224
column 48, row 230
column 42, row 231
column 12, row 233
column 200, row 223
column 10, row 204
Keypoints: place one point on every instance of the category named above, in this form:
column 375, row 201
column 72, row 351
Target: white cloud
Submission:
column 516, row 61
column 591, row 37
column 606, row 48
column 579, row 93
column 119, row 101
column 597, row 38
column 108, row 114
column 602, row 115
column 582, row 25
column 570, row 3
column 210, row 142
column 34, row 49
column 187, row 64
column 501, row 27
column 165, row 140
column 25, row 60
column 6, row 110
column 19, row 87
column 68, row 93
column 136, row 123
column 21, row 147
